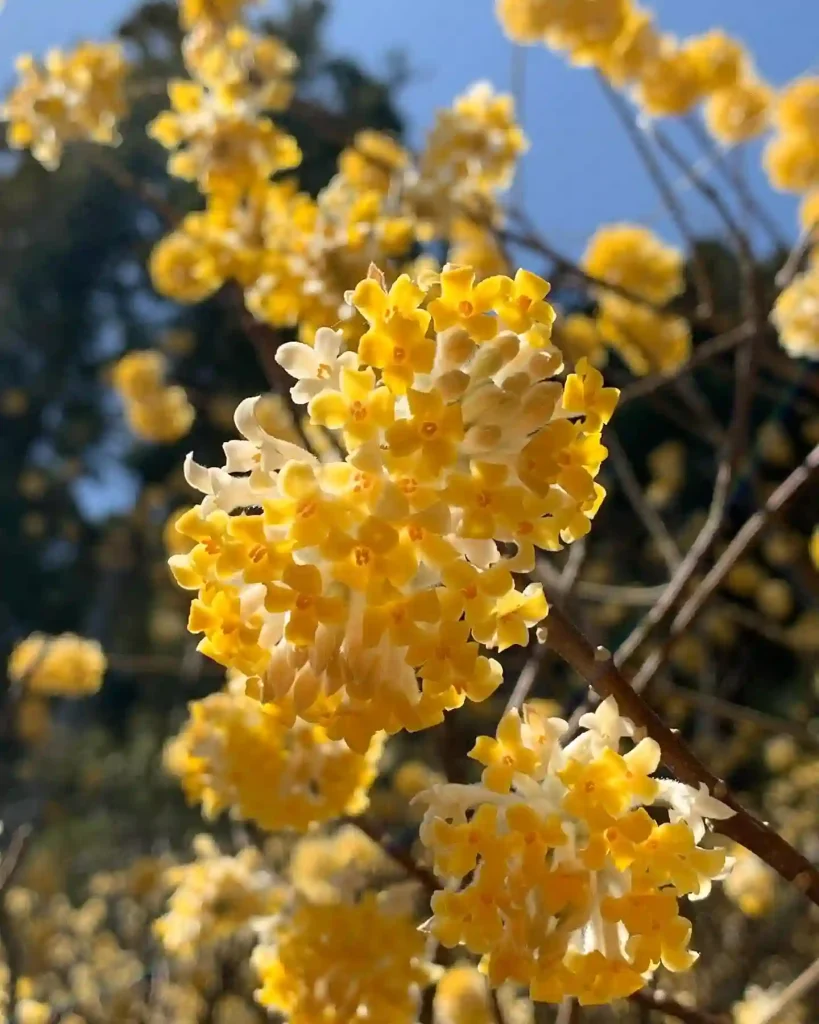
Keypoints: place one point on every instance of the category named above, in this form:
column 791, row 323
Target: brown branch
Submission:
column 600, row 671
column 11, row 860
column 652, row 999
column 746, row 535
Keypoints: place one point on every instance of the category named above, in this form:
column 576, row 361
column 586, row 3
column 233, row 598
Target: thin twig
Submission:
column 655, row 1000
column 599, row 670
column 646, row 513
column 11, row 860
column 704, row 353
column 699, row 274
column 494, row 1004
column 799, row 987
column 567, row 1011
column 398, row 853
column 745, row 536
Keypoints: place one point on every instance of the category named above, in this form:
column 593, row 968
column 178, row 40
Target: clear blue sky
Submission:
column 581, row 171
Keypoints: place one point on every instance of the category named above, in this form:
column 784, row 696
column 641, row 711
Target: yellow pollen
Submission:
column 409, row 485
column 415, row 533
column 257, row 553
column 324, row 371
column 465, row 308
column 508, row 759
column 590, row 787
column 358, row 411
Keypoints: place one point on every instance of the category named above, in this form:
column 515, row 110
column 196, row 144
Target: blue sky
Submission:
column 581, row 171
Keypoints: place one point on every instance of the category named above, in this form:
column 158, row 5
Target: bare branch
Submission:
column 655, row 1000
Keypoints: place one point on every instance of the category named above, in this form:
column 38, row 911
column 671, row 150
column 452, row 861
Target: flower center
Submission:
column 358, row 411
column 306, row 509
column 303, row 602
column 362, row 556
column 324, row 371
column 429, row 429
column 465, row 308
column 524, row 302
column 399, row 354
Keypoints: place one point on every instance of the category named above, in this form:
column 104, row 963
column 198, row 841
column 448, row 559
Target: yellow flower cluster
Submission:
column 632, row 258
column 210, row 14
column 344, row 962
column 215, row 898
column 154, row 410
column 58, row 666
column 555, row 871
column 792, row 156
column 796, row 314
column 294, row 254
column 235, row 753
column 329, row 868
column 71, row 96
column 357, row 590
column 667, row 77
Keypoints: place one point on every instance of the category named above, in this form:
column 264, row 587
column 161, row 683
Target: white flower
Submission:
column 605, row 727
column 692, row 805
column 315, row 367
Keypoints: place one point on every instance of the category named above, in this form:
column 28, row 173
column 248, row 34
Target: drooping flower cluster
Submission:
column 154, row 410
column 796, row 314
column 357, row 591
column 58, row 666
column 342, row 962
column 633, row 259
column 555, row 871
column 792, row 156
column 216, row 898
column 235, row 753
column 667, row 77
column 71, row 96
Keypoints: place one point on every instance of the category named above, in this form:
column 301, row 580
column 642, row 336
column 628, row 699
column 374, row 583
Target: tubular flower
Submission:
column 58, row 666
column 215, row 125
column 633, row 51
column 796, row 315
column 751, row 884
column 646, row 340
column 633, row 258
column 524, row 21
column 73, row 96
column 344, row 962
column 740, row 111
column 215, row 898
column 584, row 27
column 719, row 59
column 797, row 109
column 235, row 753
column 211, row 13
column 154, row 411
column 359, row 590
column 555, row 872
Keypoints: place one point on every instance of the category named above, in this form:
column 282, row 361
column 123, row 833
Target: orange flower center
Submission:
column 358, row 411
column 465, row 308
column 324, row 371
column 429, row 429
column 362, row 556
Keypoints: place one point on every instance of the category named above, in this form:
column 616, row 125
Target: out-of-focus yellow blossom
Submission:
column 211, row 13
column 326, row 869
column 751, row 883
column 237, row 754
column 71, row 96
column 215, row 898
column 470, row 154
column 809, row 212
column 555, row 871
column 796, row 315
column 13, row 402
column 154, row 411
column 814, row 547
column 797, row 109
column 176, row 543
column 33, row 720
column 524, row 21
column 215, row 128
column 637, row 46
column 58, row 666
column 585, row 27
column 341, row 962
column 31, row 1011
column 757, row 1003
column 745, row 578
column 740, row 111
column 670, row 85
column 791, row 161
column 354, row 599
column 782, row 547
column 774, row 598
column 666, row 464
column 475, row 246
column 647, row 341
column 412, row 777
column 578, row 337
column 774, row 444
column 720, row 60
column 462, row 997
column 635, row 259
